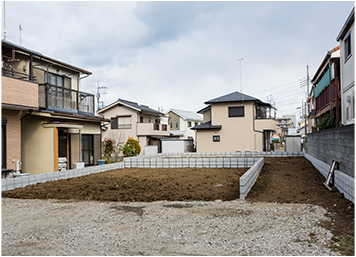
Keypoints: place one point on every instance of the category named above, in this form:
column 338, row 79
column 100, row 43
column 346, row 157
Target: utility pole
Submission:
column 4, row 23
column 307, row 123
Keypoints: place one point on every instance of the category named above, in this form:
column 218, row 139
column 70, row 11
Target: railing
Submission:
column 124, row 126
column 17, row 75
column 64, row 99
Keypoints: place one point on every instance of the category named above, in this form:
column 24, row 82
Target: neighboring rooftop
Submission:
column 232, row 97
column 40, row 56
column 134, row 105
column 187, row 115
column 206, row 125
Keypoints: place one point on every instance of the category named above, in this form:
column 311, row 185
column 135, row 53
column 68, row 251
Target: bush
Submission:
column 326, row 122
column 109, row 147
column 131, row 148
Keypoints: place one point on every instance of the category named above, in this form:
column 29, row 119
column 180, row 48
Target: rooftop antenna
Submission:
column 98, row 93
column 4, row 23
column 20, row 28
column 240, row 74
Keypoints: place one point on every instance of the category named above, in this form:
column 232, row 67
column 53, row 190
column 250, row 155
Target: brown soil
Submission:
column 141, row 185
column 282, row 180
column 295, row 180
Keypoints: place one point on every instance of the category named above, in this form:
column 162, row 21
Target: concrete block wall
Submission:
column 172, row 160
column 249, row 178
column 337, row 143
column 343, row 182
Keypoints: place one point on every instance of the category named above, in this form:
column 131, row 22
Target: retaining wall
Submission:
column 335, row 143
column 343, row 182
column 249, row 178
column 168, row 160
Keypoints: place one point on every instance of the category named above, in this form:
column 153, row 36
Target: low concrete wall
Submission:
column 170, row 160
column 249, row 178
column 343, row 182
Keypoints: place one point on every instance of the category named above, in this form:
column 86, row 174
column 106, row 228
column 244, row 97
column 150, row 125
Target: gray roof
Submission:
column 206, row 125
column 143, row 108
column 236, row 97
column 232, row 97
column 187, row 115
column 139, row 106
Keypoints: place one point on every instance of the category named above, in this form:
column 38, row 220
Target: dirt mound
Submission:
column 142, row 185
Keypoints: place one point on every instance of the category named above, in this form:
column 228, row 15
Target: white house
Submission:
column 346, row 38
column 181, row 122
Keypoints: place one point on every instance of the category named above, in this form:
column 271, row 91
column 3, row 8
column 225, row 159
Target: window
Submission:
column 87, row 150
column 216, row 138
column 62, row 143
column 58, row 80
column 171, row 124
column 189, row 124
column 124, row 122
column 347, row 46
column 176, row 124
column 238, row 111
column 114, row 123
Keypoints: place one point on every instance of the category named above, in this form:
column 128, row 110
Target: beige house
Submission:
column 129, row 119
column 235, row 122
column 48, row 124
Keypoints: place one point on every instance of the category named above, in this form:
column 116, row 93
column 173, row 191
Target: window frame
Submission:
column 234, row 108
column 216, row 138
column 348, row 47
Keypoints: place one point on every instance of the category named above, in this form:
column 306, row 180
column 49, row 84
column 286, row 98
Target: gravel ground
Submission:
column 52, row 227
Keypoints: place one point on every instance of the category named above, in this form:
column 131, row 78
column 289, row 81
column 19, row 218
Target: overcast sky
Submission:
column 181, row 54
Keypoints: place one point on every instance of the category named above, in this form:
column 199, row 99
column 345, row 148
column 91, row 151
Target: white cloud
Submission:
column 180, row 54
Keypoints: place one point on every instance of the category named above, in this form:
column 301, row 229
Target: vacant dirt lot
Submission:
column 283, row 180
column 140, row 185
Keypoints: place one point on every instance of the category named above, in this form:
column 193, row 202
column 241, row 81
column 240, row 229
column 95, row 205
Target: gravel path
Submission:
column 51, row 227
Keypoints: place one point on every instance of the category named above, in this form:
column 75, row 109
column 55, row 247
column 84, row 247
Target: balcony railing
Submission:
column 16, row 74
column 63, row 99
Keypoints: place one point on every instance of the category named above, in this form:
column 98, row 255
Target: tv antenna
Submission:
column 20, row 29
column 98, row 93
column 240, row 74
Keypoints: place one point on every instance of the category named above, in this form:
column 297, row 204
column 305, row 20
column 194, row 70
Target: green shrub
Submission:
column 326, row 122
column 131, row 148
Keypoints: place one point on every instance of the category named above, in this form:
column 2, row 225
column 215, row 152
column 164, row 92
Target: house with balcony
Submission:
column 48, row 123
column 325, row 96
column 130, row 119
column 346, row 38
column 235, row 122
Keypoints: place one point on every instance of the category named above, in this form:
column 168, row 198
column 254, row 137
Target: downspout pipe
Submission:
column 253, row 120
column 27, row 114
